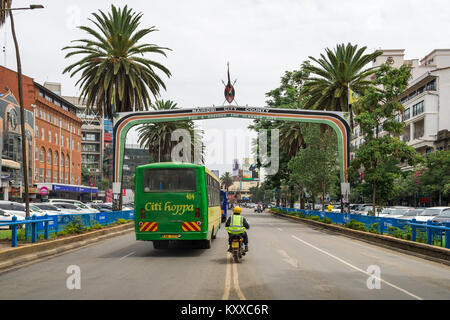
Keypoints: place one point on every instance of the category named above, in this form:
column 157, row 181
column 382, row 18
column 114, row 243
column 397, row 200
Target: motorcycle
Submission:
column 237, row 247
column 258, row 210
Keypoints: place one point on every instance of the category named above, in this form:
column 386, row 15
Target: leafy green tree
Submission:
column 104, row 184
column 436, row 174
column 287, row 95
column 336, row 72
column 85, row 176
column 316, row 166
column 115, row 74
column 379, row 155
column 157, row 136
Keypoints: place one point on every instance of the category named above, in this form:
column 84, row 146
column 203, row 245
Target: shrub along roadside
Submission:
column 355, row 225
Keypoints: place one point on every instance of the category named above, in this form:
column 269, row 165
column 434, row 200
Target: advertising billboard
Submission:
column 235, row 168
column 249, row 170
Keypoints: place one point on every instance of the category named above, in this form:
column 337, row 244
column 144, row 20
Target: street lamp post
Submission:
column 22, row 112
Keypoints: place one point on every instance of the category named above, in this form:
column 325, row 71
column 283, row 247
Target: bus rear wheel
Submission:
column 160, row 244
column 206, row 244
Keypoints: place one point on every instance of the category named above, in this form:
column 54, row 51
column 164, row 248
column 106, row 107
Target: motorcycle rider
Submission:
column 237, row 224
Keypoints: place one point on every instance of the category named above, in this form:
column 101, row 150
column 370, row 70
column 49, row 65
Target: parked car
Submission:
column 430, row 213
column 128, row 206
column 7, row 217
column 13, row 208
column 83, row 207
column 48, row 208
column 410, row 213
column 396, row 212
column 367, row 209
column 443, row 217
column 102, row 207
column 67, row 208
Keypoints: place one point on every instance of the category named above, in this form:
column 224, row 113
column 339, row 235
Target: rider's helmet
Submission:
column 237, row 210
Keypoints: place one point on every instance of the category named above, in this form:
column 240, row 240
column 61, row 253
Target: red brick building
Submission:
column 57, row 131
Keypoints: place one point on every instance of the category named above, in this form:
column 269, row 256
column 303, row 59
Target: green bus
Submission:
column 176, row 202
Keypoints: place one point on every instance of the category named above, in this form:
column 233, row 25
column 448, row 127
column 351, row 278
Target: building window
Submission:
column 418, row 108
column 36, row 131
column 55, row 176
column 62, row 159
column 56, row 138
column 62, row 140
column 42, row 133
column 431, row 85
column 49, row 157
column 36, row 174
column 407, row 114
column 67, row 161
column 56, row 159
column 42, row 154
column 49, row 136
column 49, row 176
column 67, row 142
column 41, row 173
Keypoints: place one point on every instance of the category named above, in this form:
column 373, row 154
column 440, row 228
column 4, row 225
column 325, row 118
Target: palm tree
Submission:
column 115, row 75
column 157, row 136
column 227, row 180
column 341, row 69
column 4, row 4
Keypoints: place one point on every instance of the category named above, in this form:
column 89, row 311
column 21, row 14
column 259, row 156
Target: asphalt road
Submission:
column 287, row 260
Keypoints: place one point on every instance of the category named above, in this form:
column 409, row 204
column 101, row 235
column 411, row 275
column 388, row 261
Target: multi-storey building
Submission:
column 92, row 147
column 56, row 135
column 134, row 156
column 426, row 100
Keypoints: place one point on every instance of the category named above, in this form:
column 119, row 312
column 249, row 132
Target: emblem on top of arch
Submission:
column 229, row 88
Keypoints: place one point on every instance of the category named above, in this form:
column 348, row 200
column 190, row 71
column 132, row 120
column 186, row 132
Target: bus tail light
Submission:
column 142, row 214
column 197, row 212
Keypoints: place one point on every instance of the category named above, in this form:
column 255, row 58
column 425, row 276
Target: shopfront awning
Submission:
column 10, row 164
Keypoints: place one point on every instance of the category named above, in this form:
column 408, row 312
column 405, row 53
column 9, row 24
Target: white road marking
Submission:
column 280, row 229
column 127, row 255
column 358, row 269
column 288, row 259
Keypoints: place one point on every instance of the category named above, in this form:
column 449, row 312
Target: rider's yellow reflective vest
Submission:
column 236, row 224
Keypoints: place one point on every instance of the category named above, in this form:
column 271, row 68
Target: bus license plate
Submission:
column 235, row 244
column 170, row 236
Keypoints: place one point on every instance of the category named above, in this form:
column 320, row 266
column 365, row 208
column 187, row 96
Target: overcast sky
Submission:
column 261, row 40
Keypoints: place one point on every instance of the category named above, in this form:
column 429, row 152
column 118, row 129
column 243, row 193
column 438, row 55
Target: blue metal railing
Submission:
column 44, row 225
column 431, row 232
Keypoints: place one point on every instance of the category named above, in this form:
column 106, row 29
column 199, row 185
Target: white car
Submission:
column 430, row 213
column 7, row 217
column 14, row 208
column 83, row 207
column 67, row 208
column 411, row 213
column 396, row 212
column 47, row 208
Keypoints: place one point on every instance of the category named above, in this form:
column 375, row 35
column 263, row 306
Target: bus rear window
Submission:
column 169, row 180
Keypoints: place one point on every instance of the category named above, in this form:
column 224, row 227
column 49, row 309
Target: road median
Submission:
column 11, row 257
column 421, row 250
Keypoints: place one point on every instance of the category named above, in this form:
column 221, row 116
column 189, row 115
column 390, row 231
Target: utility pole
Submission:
column 22, row 111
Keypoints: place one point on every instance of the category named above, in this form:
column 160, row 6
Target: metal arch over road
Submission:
column 337, row 120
